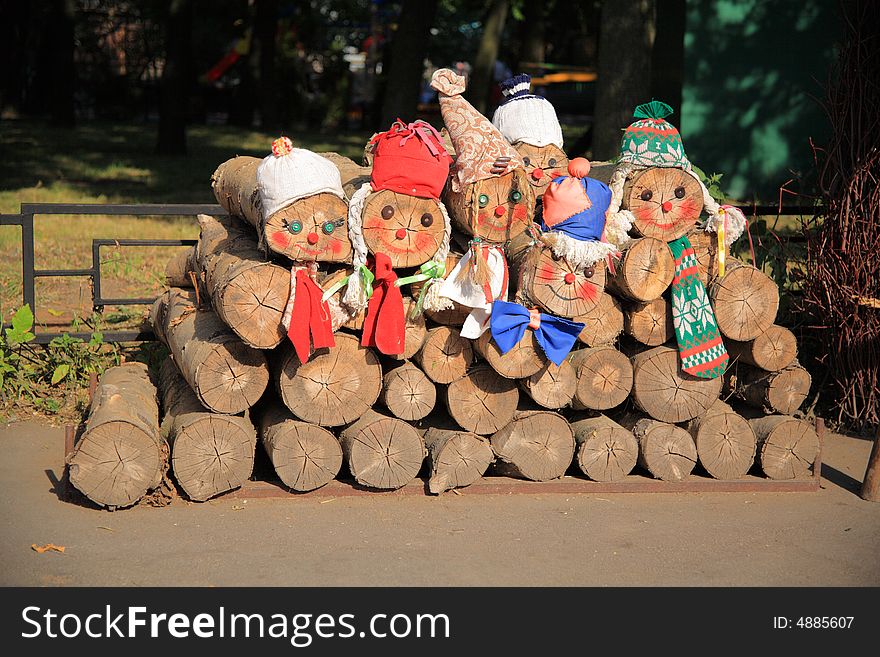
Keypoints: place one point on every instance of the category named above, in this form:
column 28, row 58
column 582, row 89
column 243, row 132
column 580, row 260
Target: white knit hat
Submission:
column 290, row 174
column 525, row 117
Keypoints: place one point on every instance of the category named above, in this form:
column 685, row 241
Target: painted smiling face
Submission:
column 557, row 286
column 666, row 202
column 311, row 229
column 543, row 164
column 407, row 229
column 495, row 209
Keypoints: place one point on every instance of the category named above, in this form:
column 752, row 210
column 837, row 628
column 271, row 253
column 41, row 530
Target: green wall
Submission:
column 753, row 72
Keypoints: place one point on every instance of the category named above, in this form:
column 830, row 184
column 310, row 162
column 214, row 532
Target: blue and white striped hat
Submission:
column 531, row 119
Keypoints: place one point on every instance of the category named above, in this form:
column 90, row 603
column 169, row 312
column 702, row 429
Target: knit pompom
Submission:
column 448, row 82
column 579, row 167
column 282, row 146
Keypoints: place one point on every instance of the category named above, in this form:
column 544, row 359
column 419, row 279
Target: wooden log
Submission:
column 773, row 350
column 454, row 316
column 177, row 272
column 605, row 450
column 246, row 291
column 604, row 378
column 336, row 386
column 665, row 392
column 787, row 446
column 481, row 401
column 352, row 174
column 644, row 272
column 603, row 323
column 665, row 450
column 536, row 445
column 705, row 247
column 305, row 456
column 446, row 355
column 745, row 301
column 725, row 441
column 226, row 375
column 524, row 360
column 543, row 164
column 309, row 229
column 455, row 458
column 382, row 452
column 210, row 453
column 665, row 201
column 407, row 393
column 408, row 229
column 495, row 209
column 650, row 323
column 870, row 490
column 554, row 284
column 553, row 386
column 121, row 454
column 774, row 392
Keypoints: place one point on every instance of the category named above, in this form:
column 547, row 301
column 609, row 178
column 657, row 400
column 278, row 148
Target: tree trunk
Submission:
column 382, row 452
column 305, row 456
column 666, row 393
column 482, row 401
column 745, row 301
column 524, row 360
column 246, row 291
column 534, row 43
column 175, row 85
column 407, row 393
column 644, row 272
column 265, row 29
column 774, row 392
column 787, row 447
column 336, row 386
column 455, row 458
column 553, row 386
column 227, row 375
column 409, row 47
column 665, row 450
column 725, row 442
column 650, row 323
column 210, row 453
column 60, row 41
column 121, row 455
column 667, row 55
column 773, row 350
column 445, row 356
column 626, row 39
column 480, row 83
column 536, row 445
column 602, row 323
column 605, row 450
column 604, row 378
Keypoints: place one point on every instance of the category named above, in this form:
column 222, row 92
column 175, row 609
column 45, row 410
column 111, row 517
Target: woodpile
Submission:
column 450, row 407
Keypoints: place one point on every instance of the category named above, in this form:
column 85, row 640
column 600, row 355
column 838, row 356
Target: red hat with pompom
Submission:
column 410, row 158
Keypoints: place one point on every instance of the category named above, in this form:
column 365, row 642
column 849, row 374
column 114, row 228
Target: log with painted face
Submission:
column 494, row 209
column 665, row 202
column 543, row 164
column 311, row 229
column 410, row 230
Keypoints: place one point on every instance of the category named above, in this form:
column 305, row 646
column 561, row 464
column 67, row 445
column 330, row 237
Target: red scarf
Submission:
column 384, row 325
column 310, row 318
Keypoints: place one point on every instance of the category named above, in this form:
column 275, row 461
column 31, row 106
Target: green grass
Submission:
column 112, row 163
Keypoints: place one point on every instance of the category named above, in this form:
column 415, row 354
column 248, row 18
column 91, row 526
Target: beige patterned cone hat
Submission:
column 479, row 146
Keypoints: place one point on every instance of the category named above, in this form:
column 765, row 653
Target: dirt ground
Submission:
column 827, row 538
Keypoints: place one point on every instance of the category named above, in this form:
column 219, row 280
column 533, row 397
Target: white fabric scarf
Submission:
column 460, row 287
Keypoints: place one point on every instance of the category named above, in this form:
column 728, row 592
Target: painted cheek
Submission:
column 688, row 207
column 519, row 212
column 546, row 273
column 587, row 291
column 375, row 222
column 423, row 241
column 335, row 246
column 645, row 213
column 280, row 240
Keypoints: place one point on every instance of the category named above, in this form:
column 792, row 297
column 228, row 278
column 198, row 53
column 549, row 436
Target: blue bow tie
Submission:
column 555, row 335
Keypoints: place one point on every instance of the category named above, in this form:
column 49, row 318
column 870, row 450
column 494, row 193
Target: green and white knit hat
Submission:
column 651, row 141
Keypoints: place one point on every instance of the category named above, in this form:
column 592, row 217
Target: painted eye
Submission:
column 515, row 196
column 328, row 227
column 295, row 227
column 387, row 212
column 551, row 162
column 484, row 200
column 646, row 195
column 526, row 160
column 427, row 219
column 679, row 192
column 589, row 271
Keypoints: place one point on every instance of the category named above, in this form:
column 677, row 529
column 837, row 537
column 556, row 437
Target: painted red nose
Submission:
column 667, row 206
column 499, row 211
column 569, row 278
column 312, row 238
column 537, row 174
column 400, row 234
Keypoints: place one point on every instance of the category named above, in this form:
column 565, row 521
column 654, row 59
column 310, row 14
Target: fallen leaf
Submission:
column 39, row 549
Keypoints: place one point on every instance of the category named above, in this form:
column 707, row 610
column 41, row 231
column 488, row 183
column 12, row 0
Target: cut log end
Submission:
column 311, row 229
column 253, row 304
column 773, row 350
column 787, row 446
column 725, row 442
column 456, row 458
column 645, row 270
column 305, row 456
column 474, row 210
column 408, row 393
column 446, row 355
column 604, row 378
column 523, row 360
column 556, row 285
column 745, row 301
column 382, row 452
column 665, row 201
column 603, row 323
column 482, row 401
column 408, row 229
column 553, row 386
column 536, row 445
column 232, row 377
column 665, row 450
column 650, row 323
column 605, row 450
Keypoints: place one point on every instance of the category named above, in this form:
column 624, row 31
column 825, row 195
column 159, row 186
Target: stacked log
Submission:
column 536, row 445
column 787, row 446
column 604, row 378
column 408, row 393
column 455, row 458
column 382, row 452
column 606, row 451
column 121, row 455
column 481, row 401
column 780, row 391
column 724, row 440
column 665, row 450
